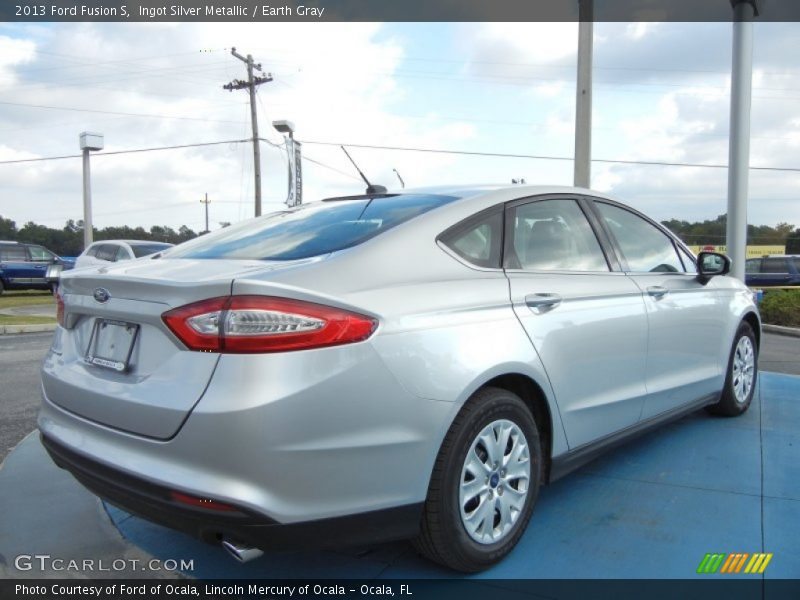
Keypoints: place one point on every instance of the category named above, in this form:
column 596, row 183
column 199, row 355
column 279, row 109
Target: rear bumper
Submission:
column 154, row 503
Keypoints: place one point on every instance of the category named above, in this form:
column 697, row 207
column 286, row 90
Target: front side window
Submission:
column 310, row 230
column 646, row 248
column 479, row 242
column 553, row 235
column 122, row 254
column 39, row 254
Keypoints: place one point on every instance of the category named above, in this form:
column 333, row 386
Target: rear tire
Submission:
column 2, row 289
column 484, row 484
column 741, row 376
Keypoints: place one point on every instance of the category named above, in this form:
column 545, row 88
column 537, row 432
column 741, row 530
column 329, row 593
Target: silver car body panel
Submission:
column 335, row 431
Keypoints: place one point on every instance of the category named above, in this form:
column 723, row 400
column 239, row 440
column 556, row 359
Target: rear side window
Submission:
column 796, row 261
column 646, row 248
column 774, row 265
column 140, row 250
column 553, row 235
column 13, row 253
column 478, row 241
column 107, row 252
column 310, row 230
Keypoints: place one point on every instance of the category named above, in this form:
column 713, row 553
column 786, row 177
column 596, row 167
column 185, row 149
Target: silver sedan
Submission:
column 397, row 365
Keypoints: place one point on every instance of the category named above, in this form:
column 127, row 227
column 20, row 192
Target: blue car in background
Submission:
column 773, row 271
column 23, row 266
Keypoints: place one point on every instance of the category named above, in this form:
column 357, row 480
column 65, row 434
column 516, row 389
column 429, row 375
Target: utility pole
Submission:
column 583, row 102
column 206, row 201
column 744, row 11
column 250, row 84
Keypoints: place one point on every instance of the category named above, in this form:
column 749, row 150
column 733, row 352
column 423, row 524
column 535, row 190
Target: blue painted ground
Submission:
column 651, row 509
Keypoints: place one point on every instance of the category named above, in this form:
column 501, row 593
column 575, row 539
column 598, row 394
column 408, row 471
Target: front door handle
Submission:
column 542, row 300
column 657, row 291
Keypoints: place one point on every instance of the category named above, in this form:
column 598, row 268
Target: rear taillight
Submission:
column 255, row 324
column 59, row 309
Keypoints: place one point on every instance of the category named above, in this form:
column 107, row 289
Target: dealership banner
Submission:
column 752, row 251
column 388, row 10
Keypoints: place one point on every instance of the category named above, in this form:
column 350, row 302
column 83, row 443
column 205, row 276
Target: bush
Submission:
column 781, row 307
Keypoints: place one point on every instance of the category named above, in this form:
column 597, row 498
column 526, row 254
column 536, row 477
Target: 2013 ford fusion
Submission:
column 396, row 365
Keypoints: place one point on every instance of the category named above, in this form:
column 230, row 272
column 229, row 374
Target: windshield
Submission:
column 310, row 230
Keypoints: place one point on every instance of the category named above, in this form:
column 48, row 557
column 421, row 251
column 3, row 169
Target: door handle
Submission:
column 542, row 300
column 40, row 266
column 657, row 291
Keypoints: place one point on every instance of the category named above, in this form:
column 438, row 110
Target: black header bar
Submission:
column 386, row 10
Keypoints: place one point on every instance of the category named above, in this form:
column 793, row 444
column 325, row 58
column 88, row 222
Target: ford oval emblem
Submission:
column 101, row 295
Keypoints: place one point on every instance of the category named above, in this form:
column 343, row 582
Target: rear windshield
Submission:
column 140, row 250
column 310, row 230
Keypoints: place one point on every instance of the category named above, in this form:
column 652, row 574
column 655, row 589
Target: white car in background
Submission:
column 111, row 251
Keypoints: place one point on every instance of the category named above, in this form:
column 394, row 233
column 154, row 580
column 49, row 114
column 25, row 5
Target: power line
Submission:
column 321, row 164
column 542, row 157
column 131, row 151
column 406, row 149
column 110, row 112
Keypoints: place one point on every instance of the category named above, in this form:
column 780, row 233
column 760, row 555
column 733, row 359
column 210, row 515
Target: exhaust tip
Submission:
column 241, row 552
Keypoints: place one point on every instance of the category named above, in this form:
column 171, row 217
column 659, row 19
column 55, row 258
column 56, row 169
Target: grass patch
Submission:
column 24, row 320
column 25, row 298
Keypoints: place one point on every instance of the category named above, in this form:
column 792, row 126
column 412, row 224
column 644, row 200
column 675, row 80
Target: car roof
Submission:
column 132, row 242
column 470, row 190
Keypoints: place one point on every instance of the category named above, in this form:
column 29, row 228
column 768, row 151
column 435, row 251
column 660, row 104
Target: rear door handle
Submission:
column 657, row 291
column 542, row 300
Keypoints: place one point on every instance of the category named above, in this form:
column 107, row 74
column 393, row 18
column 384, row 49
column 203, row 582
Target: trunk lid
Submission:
column 114, row 312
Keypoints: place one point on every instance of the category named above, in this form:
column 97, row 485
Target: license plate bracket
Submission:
column 111, row 344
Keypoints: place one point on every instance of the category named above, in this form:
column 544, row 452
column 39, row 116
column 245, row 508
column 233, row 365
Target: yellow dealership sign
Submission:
column 752, row 251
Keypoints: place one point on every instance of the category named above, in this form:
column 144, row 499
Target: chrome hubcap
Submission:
column 495, row 480
column 744, row 368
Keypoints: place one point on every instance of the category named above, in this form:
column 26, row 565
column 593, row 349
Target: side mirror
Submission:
column 710, row 264
column 53, row 273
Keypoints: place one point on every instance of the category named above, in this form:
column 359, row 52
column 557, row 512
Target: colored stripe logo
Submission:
column 734, row 563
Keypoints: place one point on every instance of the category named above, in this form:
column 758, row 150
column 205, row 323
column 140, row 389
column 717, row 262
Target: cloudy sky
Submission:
column 661, row 94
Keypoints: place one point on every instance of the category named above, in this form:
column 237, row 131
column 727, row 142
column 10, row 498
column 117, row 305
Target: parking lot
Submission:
column 651, row 509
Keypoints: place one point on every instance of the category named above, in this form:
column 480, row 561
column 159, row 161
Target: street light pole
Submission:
column 88, row 142
column 87, row 201
column 583, row 101
column 739, row 144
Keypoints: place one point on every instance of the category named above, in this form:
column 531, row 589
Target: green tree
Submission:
column 8, row 229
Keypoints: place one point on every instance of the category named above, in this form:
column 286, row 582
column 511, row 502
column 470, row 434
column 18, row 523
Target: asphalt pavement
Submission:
column 20, row 358
column 22, row 354
column 780, row 354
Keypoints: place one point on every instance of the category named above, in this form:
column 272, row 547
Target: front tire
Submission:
column 484, row 484
column 742, row 374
